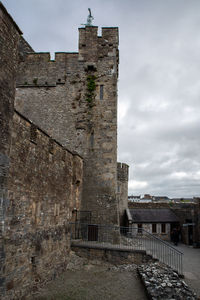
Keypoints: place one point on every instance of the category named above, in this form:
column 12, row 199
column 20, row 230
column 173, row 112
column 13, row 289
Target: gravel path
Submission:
column 95, row 281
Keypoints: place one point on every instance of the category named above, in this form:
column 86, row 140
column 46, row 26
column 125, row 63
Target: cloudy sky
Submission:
column 159, row 82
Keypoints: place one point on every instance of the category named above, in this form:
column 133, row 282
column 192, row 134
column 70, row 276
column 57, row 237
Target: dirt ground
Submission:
column 96, row 281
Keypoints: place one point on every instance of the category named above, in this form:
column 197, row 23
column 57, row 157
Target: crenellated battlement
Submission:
column 35, row 57
column 93, row 47
column 63, row 56
column 37, row 69
column 111, row 34
column 38, row 57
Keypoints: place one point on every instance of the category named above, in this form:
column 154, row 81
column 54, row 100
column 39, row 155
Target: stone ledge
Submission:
column 37, row 85
column 106, row 247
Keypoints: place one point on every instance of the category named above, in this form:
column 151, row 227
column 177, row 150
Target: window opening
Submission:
column 118, row 188
column 101, row 92
column 154, row 228
column 139, row 228
column 92, row 140
column 163, row 228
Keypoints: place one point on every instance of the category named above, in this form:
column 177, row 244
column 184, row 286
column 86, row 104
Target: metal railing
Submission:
column 130, row 239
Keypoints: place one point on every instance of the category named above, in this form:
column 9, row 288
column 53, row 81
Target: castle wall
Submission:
column 44, row 186
column 9, row 38
column 122, row 190
column 74, row 99
column 10, row 34
column 24, row 48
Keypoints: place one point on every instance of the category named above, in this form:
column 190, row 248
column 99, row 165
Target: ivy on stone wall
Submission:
column 35, row 81
column 91, row 87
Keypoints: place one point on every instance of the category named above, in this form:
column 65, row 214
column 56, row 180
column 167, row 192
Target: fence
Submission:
column 129, row 239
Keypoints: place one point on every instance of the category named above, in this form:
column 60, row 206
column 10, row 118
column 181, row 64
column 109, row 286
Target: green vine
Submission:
column 35, row 81
column 91, row 87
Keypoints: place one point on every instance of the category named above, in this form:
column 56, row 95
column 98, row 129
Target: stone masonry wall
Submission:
column 74, row 99
column 122, row 190
column 10, row 34
column 44, row 186
column 24, row 48
column 9, row 38
column 114, row 256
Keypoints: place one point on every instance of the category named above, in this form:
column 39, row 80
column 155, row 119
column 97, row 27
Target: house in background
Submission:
column 141, row 199
column 133, row 198
column 159, row 222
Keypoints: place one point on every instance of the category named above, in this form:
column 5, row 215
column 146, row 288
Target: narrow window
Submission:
column 139, row 228
column 154, row 228
column 91, row 68
column 56, row 209
column 163, row 228
column 101, row 92
column 118, row 188
column 33, row 134
column 33, row 262
column 92, row 140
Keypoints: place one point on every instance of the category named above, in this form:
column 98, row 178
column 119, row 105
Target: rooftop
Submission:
column 153, row 215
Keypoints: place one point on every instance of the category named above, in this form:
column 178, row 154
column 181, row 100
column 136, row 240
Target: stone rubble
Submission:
column 161, row 282
column 122, row 268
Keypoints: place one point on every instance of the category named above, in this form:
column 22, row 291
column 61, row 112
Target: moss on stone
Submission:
column 91, row 87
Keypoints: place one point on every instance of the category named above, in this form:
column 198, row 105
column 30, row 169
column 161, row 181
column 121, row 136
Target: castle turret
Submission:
column 74, row 99
column 88, row 44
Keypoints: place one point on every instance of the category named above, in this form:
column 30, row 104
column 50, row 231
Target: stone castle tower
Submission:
column 58, row 152
column 74, row 99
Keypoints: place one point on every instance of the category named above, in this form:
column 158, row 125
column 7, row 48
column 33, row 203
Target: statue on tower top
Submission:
column 90, row 18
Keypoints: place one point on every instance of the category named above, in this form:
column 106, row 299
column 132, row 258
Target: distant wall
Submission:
column 44, row 186
column 147, row 205
column 122, row 190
